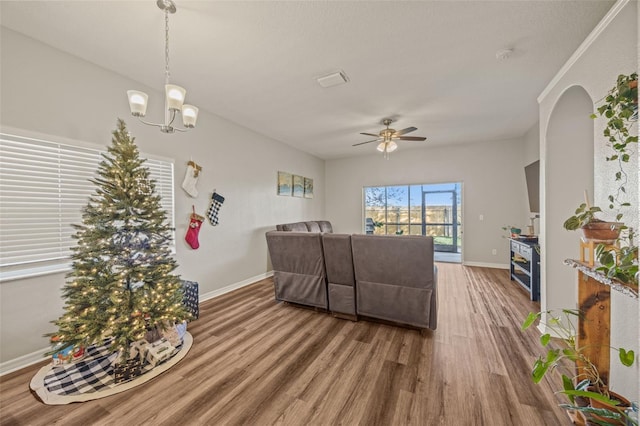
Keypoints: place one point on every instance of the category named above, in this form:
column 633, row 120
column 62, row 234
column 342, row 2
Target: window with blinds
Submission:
column 43, row 187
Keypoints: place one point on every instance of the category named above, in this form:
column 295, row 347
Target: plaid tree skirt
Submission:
column 93, row 377
column 94, row 372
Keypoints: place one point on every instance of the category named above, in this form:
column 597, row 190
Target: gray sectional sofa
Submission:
column 386, row 277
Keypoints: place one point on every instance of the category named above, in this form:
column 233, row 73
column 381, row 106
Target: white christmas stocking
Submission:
column 191, row 179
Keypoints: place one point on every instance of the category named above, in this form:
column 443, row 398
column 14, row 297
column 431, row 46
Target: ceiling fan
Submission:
column 387, row 137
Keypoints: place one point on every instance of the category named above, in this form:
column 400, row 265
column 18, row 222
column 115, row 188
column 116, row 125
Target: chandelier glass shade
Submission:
column 174, row 95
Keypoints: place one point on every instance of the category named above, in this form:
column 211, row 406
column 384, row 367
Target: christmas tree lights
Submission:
column 121, row 283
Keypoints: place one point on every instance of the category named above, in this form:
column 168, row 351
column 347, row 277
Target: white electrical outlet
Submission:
column 494, row 252
column 481, row 217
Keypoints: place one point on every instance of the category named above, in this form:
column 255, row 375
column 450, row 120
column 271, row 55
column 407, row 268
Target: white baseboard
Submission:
column 235, row 286
column 38, row 356
column 487, row 265
column 23, row 361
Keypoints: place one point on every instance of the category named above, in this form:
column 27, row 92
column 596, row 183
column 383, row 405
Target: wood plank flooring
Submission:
column 258, row 362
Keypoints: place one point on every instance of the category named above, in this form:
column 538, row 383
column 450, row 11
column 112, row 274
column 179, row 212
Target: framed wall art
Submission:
column 284, row 183
column 298, row 186
column 308, row 188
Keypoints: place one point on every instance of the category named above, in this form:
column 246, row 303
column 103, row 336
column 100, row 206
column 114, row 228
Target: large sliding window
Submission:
column 43, row 187
column 429, row 209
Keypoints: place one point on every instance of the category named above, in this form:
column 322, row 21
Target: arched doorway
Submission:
column 567, row 171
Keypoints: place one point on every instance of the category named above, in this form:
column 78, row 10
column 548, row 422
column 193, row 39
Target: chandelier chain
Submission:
column 174, row 95
column 166, row 46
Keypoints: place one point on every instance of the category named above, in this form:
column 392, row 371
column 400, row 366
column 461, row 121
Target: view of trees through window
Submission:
column 429, row 209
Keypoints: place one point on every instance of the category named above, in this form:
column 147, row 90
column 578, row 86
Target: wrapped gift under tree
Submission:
column 190, row 298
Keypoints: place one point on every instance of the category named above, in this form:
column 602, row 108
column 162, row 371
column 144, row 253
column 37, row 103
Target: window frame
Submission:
column 410, row 224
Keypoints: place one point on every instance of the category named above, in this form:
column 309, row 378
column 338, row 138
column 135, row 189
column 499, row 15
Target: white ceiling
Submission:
column 430, row 64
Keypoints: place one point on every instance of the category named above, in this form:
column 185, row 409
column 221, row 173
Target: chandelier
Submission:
column 174, row 95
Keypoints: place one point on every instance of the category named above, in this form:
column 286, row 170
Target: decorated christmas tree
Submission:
column 121, row 283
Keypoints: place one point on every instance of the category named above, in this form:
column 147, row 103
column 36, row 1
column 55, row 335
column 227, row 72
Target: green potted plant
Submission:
column 511, row 231
column 579, row 376
column 593, row 229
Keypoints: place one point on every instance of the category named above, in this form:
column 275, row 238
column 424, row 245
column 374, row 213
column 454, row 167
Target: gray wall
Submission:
column 492, row 175
column 47, row 91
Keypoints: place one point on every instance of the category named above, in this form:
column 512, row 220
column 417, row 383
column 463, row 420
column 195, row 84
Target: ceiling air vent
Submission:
column 333, row 79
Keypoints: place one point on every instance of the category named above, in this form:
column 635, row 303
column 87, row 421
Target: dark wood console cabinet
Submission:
column 525, row 266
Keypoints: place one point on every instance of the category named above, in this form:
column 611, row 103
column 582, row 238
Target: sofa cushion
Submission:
column 338, row 258
column 298, row 264
column 308, row 226
column 395, row 278
column 307, row 290
column 342, row 299
column 405, row 260
column 312, row 226
column 325, row 226
column 408, row 305
column 339, row 265
column 294, row 227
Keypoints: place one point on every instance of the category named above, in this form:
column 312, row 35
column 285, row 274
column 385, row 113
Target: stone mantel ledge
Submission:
column 625, row 289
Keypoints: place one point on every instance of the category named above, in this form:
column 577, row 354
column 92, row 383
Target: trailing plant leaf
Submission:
column 626, row 357
column 567, row 383
column 541, row 366
column 539, row 370
column 531, row 318
column 620, row 108
column 602, row 412
column 570, row 353
column 593, row 395
column 544, row 339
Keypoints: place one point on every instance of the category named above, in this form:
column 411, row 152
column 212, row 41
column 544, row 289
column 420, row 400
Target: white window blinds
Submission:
column 43, row 187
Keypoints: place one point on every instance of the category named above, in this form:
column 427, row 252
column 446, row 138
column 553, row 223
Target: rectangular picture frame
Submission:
column 308, row 187
column 285, row 183
column 298, row 186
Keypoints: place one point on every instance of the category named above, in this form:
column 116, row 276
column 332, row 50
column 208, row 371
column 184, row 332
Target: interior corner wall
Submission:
column 47, row 91
column 612, row 52
column 493, row 185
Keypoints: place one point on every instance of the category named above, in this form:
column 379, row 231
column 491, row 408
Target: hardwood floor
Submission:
column 258, row 362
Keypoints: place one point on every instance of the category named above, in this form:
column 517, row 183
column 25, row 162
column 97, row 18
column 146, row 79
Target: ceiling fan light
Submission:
column 189, row 116
column 137, row 102
column 381, row 146
column 175, row 96
column 391, row 146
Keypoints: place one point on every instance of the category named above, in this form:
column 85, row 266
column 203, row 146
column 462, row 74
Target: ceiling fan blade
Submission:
column 362, row 143
column 370, row 134
column 405, row 131
column 411, row 138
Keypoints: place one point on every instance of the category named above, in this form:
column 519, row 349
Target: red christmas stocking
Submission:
column 193, row 230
